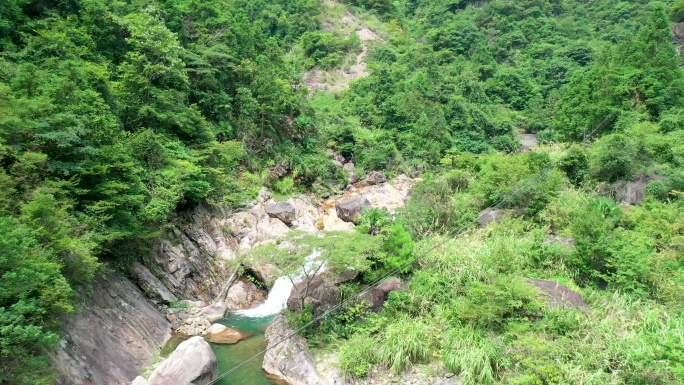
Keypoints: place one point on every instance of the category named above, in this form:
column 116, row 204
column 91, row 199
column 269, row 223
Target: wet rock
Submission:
column 220, row 334
column 349, row 210
column 192, row 363
column 490, row 215
column 150, row 285
column 291, row 360
column 376, row 178
column 283, row 211
column 557, row 295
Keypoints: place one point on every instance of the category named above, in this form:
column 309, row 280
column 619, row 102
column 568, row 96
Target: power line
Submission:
column 528, row 183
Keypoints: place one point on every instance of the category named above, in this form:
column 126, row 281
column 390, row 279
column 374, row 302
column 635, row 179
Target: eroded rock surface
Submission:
column 113, row 337
column 291, row 360
column 192, row 363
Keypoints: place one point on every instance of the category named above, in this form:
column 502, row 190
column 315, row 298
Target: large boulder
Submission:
column 376, row 178
column 354, row 177
column 243, row 295
column 321, row 291
column 490, row 215
column 221, row 334
column 557, row 295
column 192, row 363
column 214, row 312
column 377, row 296
column 349, row 210
column 288, row 357
column 283, row 211
column 150, row 284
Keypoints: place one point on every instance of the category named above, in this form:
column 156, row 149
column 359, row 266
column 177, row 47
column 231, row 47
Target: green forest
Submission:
column 117, row 116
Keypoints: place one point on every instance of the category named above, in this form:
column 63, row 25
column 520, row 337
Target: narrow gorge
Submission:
column 193, row 283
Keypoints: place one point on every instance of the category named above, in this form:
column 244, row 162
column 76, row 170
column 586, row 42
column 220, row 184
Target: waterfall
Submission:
column 280, row 292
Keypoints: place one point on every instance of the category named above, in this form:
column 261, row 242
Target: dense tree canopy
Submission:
column 115, row 116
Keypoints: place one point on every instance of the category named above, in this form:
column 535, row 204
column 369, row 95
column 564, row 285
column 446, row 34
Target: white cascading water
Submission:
column 280, row 292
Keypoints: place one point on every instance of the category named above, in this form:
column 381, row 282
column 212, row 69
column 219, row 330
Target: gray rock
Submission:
column 291, row 360
column 118, row 321
column 634, row 192
column 150, row 284
column 354, row 177
column 214, row 312
column 349, row 210
column 192, row 363
column 557, row 295
column 678, row 31
column 338, row 163
column 283, row 211
column 529, row 141
column 139, row 381
column 377, row 296
column 490, row 215
column 376, row 178
column 349, row 167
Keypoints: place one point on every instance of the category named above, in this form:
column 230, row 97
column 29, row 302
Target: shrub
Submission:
column 613, row 158
column 404, row 342
column 575, row 165
column 657, row 190
column 357, row 355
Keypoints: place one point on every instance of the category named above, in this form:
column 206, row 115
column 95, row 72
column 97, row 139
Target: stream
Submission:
column 254, row 321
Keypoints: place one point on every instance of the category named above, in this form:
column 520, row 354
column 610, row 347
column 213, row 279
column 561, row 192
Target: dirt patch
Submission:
column 557, row 295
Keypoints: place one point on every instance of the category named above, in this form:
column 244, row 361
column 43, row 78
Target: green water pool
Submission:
column 229, row 356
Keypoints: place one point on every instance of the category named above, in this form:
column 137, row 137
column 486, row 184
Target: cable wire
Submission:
column 377, row 282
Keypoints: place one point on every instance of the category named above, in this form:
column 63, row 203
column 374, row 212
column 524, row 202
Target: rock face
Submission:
column 376, row 178
column 349, row 210
column 528, row 142
column 291, row 360
column 192, row 363
column 220, row 334
column 634, row 192
column 557, row 295
column 283, row 211
column 150, row 285
column 112, row 338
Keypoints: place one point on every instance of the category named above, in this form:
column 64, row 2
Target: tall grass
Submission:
column 473, row 356
column 404, row 342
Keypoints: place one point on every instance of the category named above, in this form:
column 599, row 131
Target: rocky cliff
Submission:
column 114, row 335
